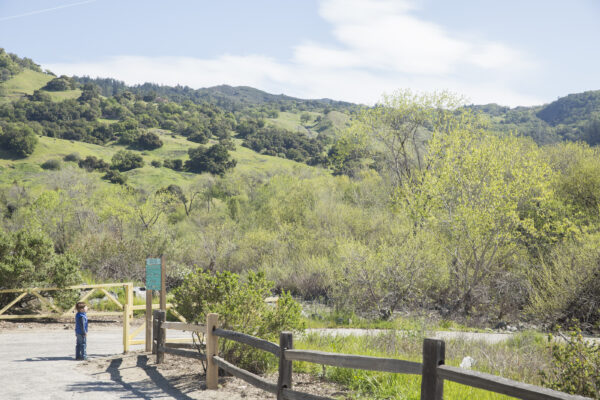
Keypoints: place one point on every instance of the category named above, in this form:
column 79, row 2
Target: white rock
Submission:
column 467, row 362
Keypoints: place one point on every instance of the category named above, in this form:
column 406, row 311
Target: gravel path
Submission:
column 38, row 363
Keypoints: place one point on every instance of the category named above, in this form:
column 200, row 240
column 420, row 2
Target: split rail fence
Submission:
column 432, row 370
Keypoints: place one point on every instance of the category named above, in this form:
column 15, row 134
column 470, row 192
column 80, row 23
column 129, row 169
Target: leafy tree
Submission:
column 200, row 136
column 214, row 159
column 59, row 84
column 472, row 194
column 305, row 118
column 18, row 138
column 149, row 141
column 89, row 91
column 27, row 258
column 401, row 124
column 124, row 160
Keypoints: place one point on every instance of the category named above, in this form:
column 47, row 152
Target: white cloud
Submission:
column 381, row 46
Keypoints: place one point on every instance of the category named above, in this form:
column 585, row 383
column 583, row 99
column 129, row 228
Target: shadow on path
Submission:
column 159, row 380
column 61, row 358
column 157, row 387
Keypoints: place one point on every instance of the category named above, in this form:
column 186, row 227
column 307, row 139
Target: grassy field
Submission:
column 519, row 358
column 291, row 122
column 24, row 83
column 175, row 147
column 64, row 95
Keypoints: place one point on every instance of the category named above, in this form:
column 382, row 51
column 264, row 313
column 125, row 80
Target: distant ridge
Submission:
column 229, row 97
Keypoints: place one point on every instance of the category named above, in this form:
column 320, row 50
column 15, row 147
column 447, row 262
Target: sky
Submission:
column 510, row 52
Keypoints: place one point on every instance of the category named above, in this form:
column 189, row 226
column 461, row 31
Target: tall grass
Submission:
column 519, row 358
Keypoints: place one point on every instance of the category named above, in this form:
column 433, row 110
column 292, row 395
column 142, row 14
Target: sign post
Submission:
column 153, row 282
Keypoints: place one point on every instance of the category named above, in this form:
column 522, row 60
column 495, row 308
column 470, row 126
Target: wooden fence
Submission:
column 51, row 310
column 433, row 372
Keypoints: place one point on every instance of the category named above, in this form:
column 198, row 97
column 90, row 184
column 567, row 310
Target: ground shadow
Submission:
column 159, row 380
column 117, row 385
column 157, row 386
column 61, row 358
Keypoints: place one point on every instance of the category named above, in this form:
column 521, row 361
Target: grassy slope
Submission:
column 28, row 169
column 28, row 81
column 291, row 121
column 24, row 83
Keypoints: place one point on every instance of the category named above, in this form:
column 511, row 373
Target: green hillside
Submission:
column 24, row 83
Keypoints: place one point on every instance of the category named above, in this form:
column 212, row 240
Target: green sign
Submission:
column 153, row 273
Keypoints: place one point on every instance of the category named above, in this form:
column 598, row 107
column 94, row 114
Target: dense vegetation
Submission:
column 421, row 204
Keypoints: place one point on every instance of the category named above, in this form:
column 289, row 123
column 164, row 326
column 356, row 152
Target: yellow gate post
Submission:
column 127, row 315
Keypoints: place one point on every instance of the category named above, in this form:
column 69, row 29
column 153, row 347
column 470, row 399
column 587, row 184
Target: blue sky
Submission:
column 509, row 52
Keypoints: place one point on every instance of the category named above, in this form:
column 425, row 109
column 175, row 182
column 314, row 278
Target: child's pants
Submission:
column 80, row 349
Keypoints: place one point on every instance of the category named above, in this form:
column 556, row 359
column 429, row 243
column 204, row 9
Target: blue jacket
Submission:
column 81, row 321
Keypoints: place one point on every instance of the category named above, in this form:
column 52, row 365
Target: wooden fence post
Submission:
column 212, row 345
column 148, row 338
column 155, row 332
column 286, row 342
column 434, row 354
column 162, row 337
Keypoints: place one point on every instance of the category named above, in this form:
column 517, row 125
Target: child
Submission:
column 81, row 328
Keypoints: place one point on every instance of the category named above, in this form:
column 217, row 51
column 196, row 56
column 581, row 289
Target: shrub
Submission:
column 241, row 307
column 215, row 160
column 73, row 157
column 18, row 139
column 149, row 141
column 92, row 163
column 59, row 84
column 52, row 164
column 28, row 259
column 575, row 366
column 124, row 160
column 115, row 177
column 199, row 137
column 176, row 165
column 156, row 163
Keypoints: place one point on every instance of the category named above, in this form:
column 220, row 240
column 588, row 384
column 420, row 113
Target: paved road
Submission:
column 39, row 364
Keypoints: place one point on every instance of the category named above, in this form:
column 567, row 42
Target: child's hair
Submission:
column 80, row 306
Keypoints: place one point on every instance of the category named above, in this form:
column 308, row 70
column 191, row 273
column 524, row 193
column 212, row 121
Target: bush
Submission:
column 241, row 307
column 73, row 157
column 115, row 177
column 59, row 84
column 575, row 366
column 156, row 163
column 53, row 164
column 124, row 160
column 176, row 164
column 18, row 139
column 28, row 259
column 149, row 141
column 199, row 137
column 92, row 163
column 215, row 160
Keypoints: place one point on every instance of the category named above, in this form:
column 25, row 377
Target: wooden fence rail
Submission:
column 433, row 371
